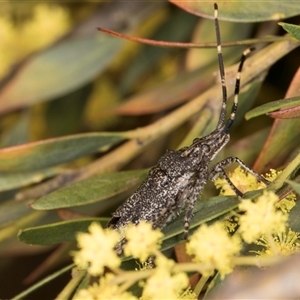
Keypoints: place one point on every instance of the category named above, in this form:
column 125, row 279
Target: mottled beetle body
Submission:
column 174, row 184
column 175, row 181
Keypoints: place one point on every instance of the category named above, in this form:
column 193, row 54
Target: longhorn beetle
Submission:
column 174, row 184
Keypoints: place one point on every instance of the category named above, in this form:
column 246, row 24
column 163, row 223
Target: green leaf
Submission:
column 55, row 151
column 271, row 106
column 294, row 220
column 100, row 187
column 242, row 11
column 282, row 139
column 59, row 70
column 56, row 233
column 9, row 181
column 204, row 211
column 294, row 185
column 66, row 231
column 293, row 30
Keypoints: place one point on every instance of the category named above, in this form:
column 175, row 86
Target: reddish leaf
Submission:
column 289, row 113
column 51, row 152
column 242, row 11
column 283, row 137
column 185, row 86
column 272, row 107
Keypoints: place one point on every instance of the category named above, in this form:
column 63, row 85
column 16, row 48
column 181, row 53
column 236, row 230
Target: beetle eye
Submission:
column 206, row 148
column 165, row 181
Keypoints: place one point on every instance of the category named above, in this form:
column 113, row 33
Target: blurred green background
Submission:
column 60, row 76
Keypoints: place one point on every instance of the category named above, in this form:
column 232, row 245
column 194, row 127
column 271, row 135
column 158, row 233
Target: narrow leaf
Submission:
column 283, row 137
column 204, row 211
column 293, row 30
column 289, row 113
column 272, row 106
column 100, row 187
column 55, row 151
column 56, row 233
column 294, row 220
column 9, row 181
column 294, row 185
column 242, row 11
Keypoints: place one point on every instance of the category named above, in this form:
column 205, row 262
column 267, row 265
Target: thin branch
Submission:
column 192, row 45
